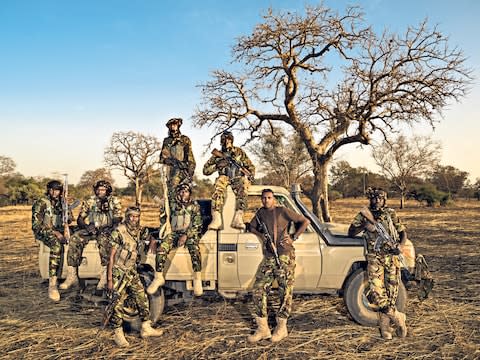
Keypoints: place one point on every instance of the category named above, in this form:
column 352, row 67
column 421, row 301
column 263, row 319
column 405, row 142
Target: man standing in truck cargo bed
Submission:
column 271, row 224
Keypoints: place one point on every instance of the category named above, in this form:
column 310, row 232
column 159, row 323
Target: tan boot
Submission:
column 197, row 283
column 262, row 332
column 53, row 293
column 158, row 281
column 148, row 331
column 216, row 220
column 120, row 338
column 384, row 324
column 237, row 222
column 103, row 279
column 399, row 320
column 72, row 278
column 280, row 331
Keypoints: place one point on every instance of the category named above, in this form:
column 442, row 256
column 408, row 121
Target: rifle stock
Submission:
column 166, row 228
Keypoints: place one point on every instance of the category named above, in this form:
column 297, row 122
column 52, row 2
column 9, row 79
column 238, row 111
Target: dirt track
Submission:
column 445, row 326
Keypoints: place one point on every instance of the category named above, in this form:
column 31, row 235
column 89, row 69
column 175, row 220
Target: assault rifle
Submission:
column 234, row 163
column 114, row 298
column 262, row 227
column 65, row 210
column 384, row 240
column 166, row 228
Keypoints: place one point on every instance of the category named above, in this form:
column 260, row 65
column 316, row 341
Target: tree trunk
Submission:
column 320, row 193
column 402, row 199
column 138, row 192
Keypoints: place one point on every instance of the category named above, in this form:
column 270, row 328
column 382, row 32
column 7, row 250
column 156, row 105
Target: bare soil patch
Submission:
column 445, row 326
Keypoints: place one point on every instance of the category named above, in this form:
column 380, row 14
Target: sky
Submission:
column 74, row 72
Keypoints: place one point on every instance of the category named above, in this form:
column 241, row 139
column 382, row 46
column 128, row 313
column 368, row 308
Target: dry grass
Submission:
column 445, row 326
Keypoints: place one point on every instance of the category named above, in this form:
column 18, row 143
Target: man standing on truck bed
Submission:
column 48, row 227
column 123, row 279
column 186, row 223
column 383, row 267
column 99, row 215
column 177, row 154
column 234, row 168
column 271, row 224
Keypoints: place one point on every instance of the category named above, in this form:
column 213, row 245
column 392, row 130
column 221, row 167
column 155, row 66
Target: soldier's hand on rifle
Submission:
column 169, row 161
column 222, row 163
column 92, row 230
column 182, row 240
column 60, row 237
column 369, row 226
column 109, row 284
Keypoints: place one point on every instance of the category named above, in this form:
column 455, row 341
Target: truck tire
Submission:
column 156, row 303
column 361, row 310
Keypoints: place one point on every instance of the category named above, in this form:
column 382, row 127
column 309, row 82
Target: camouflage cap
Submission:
column 106, row 184
column 177, row 121
column 227, row 135
column 55, row 185
column 132, row 210
column 376, row 193
column 183, row 186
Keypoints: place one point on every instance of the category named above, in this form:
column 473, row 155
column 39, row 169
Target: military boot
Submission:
column 216, row 220
column 103, row 279
column 158, row 281
column 384, row 324
column 262, row 332
column 72, row 278
column 148, row 331
column 120, row 338
column 280, row 331
column 53, row 293
column 197, row 283
column 237, row 222
column 399, row 320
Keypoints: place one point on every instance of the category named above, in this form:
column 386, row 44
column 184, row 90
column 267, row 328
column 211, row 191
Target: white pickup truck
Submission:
column 327, row 260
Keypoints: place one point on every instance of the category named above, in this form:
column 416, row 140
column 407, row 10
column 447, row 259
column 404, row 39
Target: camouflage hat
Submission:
column 106, row 184
column 55, row 185
column 184, row 186
column 132, row 210
column 376, row 193
column 227, row 135
column 177, row 121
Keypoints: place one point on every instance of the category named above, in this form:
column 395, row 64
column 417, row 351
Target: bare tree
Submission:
column 136, row 155
column 283, row 158
column 7, row 165
column 388, row 79
column 403, row 160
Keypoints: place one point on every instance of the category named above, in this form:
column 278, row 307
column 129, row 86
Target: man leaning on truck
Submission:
column 271, row 224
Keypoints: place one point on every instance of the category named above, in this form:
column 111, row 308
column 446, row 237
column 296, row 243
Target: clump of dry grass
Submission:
column 445, row 326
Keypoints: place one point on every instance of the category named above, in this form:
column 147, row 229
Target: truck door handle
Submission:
column 251, row 246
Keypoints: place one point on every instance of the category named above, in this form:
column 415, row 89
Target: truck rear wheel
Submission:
column 361, row 310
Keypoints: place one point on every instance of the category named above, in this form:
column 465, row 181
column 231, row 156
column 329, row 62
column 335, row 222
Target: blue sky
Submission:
column 74, row 72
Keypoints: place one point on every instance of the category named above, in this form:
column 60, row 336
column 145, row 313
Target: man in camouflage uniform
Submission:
column 229, row 174
column 276, row 220
column 99, row 215
column 186, row 223
column 48, row 228
column 127, row 243
column 178, row 156
column 383, row 267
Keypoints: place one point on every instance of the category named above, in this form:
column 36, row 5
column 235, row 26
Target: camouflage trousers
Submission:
column 132, row 294
column 267, row 272
column 171, row 241
column 54, row 259
column 80, row 239
column 383, row 280
column 239, row 186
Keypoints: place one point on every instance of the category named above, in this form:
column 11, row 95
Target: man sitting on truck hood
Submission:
column 271, row 224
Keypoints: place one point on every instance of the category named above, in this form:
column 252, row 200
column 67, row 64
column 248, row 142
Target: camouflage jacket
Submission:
column 214, row 163
column 47, row 216
column 185, row 218
column 179, row 150
column 128, row 245
column 387, row 217
column 101, row 215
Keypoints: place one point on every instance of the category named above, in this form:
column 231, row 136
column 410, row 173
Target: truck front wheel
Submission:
column 361, row 310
